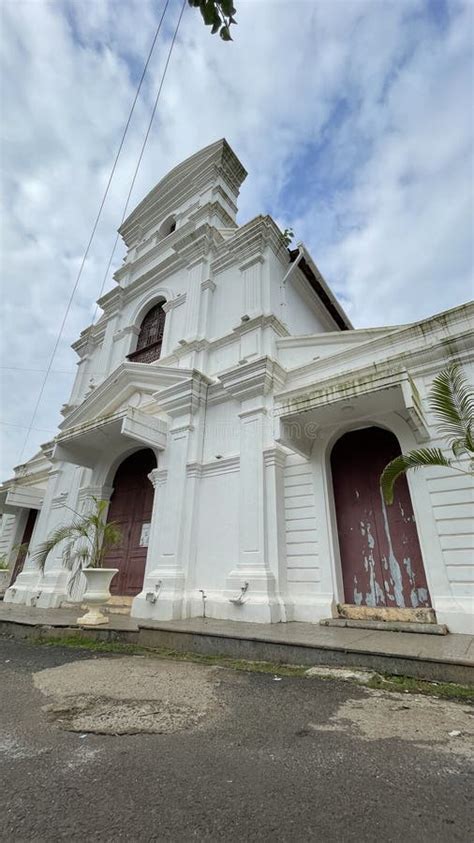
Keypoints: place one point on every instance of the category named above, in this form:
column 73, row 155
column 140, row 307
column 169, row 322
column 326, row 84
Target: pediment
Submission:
column 131, row 385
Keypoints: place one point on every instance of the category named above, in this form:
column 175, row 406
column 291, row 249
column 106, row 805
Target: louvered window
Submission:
column 150, row 337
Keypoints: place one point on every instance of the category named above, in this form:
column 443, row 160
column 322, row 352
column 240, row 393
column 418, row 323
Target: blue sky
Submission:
column 353, row 119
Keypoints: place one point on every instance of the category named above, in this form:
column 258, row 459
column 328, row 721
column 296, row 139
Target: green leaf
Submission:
column 452, row 402
column 88, row 539
column 227, row 7
column 225, row 34
column 401, row 464
column 208, row 11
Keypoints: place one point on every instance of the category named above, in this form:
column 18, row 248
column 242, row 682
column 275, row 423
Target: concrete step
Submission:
column 437, row 658
column 387, row 626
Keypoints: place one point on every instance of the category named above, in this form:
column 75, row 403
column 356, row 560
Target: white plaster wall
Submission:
column 224, row 357
column 226, row 302
column 218, row 530
column 300, row 313
column 222, row 430
column 302, row 548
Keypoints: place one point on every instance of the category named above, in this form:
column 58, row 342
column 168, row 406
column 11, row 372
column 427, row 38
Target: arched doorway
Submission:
column 380, row 553
column 130, row 508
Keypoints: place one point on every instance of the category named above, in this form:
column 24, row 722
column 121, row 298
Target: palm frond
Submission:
column 401, row 464
column 452, row 402
column 88, row 540
column 69, row 531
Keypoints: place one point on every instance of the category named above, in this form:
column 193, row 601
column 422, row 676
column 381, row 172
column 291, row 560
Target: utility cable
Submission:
column 94, row 228
column 145, row 141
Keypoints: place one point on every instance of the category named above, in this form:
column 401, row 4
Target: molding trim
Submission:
column 208, row 284
column 176, row 302
column 256, row 378
column 226, row 465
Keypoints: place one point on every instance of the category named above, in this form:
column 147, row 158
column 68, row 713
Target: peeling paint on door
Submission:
column 380, row 553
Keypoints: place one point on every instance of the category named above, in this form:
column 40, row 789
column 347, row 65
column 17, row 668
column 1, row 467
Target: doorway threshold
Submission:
column 386, row 614
column 387, row 626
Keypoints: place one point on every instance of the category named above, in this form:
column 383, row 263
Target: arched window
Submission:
column 150, row 337
column 167, row 227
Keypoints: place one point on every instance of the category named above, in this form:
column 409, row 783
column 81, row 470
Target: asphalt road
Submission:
column 240, row 756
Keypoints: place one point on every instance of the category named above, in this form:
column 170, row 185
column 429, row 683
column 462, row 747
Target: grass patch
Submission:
column 410, row 685
column 385, row 682
column 83, row 643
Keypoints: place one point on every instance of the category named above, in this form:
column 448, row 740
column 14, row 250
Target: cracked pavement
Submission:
column 101, row 747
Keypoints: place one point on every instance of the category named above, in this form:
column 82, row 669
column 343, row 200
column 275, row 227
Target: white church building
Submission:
column 238, row 425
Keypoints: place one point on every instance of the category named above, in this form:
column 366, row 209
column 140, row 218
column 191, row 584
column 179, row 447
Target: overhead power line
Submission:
column 101, row 206
column 145, row 141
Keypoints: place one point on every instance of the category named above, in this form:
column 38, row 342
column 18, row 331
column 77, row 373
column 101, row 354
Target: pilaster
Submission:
column 260, row 559
column 193, row 296
column 170, row 308
column 171, row 539
column 27, row 585
column 66, row 506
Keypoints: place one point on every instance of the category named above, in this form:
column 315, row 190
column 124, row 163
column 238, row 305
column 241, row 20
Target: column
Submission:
column 163, row 588
column 193, row 295
column 262, row 603
column 26, row 587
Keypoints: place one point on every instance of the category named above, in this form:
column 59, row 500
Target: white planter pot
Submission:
column 97, row 592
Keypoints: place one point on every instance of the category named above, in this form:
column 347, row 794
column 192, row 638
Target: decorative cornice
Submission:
column 59, row 500
column 126, row 379
column 258, row 377
column 184, row 397
column 208, row 284
column 180, row 431
column 101, row 492
column 275, row 456
column 225, row 465
column 173, row 303
column 422, row 347
column 263, row 320
column 249, row 243
column 154, row 477
column 251, row 262
column 123, row 332
column 160, row 477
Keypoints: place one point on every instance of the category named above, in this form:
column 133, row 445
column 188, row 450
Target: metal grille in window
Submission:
column 150, row 337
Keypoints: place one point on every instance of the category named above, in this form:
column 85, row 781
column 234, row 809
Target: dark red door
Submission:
column 380, row 552
column 130, row 508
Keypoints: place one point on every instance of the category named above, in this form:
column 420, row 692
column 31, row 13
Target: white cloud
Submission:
column 382, row 195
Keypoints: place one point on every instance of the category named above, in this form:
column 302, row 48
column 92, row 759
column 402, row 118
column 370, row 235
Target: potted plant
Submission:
column 87, row 541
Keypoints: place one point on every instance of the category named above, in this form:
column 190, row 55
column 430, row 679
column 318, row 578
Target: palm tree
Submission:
column 87, row 541
column 452, row 401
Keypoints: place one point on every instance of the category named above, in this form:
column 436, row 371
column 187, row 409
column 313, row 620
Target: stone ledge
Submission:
column 387, row 626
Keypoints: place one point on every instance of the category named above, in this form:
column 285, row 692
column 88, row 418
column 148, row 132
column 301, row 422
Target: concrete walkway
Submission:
column 435, row 657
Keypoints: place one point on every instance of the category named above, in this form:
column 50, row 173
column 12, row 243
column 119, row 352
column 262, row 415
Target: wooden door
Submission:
column 130, row 508
column 380, row 552
column 25, row 543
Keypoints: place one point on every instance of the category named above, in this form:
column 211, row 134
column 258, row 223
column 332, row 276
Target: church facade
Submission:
column 238, row 425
